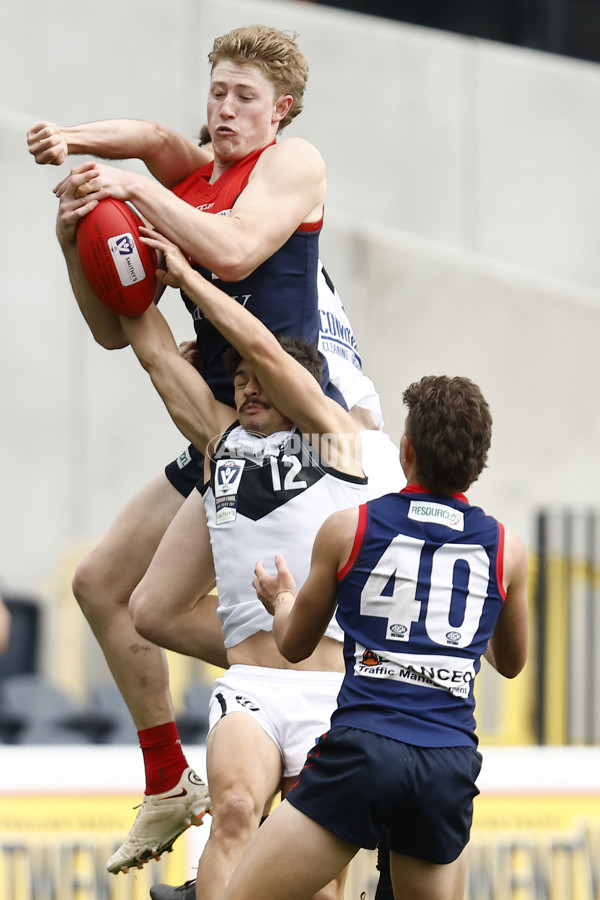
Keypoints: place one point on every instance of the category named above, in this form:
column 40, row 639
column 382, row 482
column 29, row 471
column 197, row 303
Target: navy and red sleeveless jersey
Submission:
column 281, row 292
column 418, row 601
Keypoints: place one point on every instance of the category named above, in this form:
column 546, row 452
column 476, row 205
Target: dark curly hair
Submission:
column 450, row 426
column 306, row 354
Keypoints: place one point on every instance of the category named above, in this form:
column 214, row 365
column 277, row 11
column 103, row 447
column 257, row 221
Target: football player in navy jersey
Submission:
column 268, row 195
column 424, row 585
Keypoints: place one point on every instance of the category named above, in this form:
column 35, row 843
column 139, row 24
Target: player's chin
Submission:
column 249, row 420
column 254, row 421
column 229, row 148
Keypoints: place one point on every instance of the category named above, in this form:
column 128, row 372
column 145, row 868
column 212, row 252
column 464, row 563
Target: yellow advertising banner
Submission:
column 536, row 831
column 64, row 810
column 55, row 847
column 535, row 847
column 522, row 848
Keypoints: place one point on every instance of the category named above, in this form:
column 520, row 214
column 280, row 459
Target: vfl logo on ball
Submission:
column 126, row 258
column 125, row 245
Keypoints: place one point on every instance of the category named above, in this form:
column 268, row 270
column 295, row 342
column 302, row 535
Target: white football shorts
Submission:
column 293, row 707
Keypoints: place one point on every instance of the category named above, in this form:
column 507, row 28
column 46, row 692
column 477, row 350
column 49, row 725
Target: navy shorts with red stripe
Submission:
column 356, row 783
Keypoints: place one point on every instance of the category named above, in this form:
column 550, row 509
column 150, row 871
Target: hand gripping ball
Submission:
column 119, row 268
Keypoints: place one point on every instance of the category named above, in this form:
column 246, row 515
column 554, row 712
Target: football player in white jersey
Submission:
column 300, row 454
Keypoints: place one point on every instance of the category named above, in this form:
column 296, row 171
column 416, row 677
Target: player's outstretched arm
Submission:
column 286, row 189
column 507, row 650
column 104, row 324
column 186, row 395
column 288, row 385
column 169, row 156
column 301, row 621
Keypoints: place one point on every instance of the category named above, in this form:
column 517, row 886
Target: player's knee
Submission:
column 236, row 814
column 100, row 580
column 146, row 615
column 85, row 582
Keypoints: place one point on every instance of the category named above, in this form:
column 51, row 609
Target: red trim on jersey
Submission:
column 500, row 561
column 418, row 489
column 311, row 226
column 358, row 539
column 222, row 194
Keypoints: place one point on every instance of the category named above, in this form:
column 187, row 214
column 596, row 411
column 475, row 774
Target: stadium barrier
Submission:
column 536, row 832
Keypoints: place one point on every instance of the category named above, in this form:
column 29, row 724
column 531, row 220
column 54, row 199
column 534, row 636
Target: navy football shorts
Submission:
column 186, row 471
column 354, row 783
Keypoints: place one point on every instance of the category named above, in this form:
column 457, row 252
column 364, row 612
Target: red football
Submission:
column 119, row 268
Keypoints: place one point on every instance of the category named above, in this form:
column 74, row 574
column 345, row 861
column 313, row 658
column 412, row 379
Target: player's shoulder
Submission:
column 515, row 554
column 340, row 526
column 293, row 150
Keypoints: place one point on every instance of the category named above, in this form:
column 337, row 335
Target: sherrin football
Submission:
column 119, row 268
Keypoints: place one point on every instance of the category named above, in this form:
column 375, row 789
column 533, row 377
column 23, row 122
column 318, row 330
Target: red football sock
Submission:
column 163, row 757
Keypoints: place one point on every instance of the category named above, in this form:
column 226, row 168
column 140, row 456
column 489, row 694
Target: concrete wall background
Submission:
column 461, row 231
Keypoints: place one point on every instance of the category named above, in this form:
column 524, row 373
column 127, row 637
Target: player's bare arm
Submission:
column 300, row 621
column 507, row 650
column 290, row 388
column 169, row 156
column 286, row 189
column 189, row 400
column 104, row 324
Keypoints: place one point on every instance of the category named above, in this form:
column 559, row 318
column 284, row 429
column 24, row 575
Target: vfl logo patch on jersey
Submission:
column 274, row 474
column 228, row 474
column 424, row 511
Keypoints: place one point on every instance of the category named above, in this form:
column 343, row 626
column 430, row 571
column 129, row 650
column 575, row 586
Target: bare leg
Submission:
column 103, row 584
column 291, row 858
column 416, row 879
column 169, row 605
column 244, row 771
column 335, row 889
